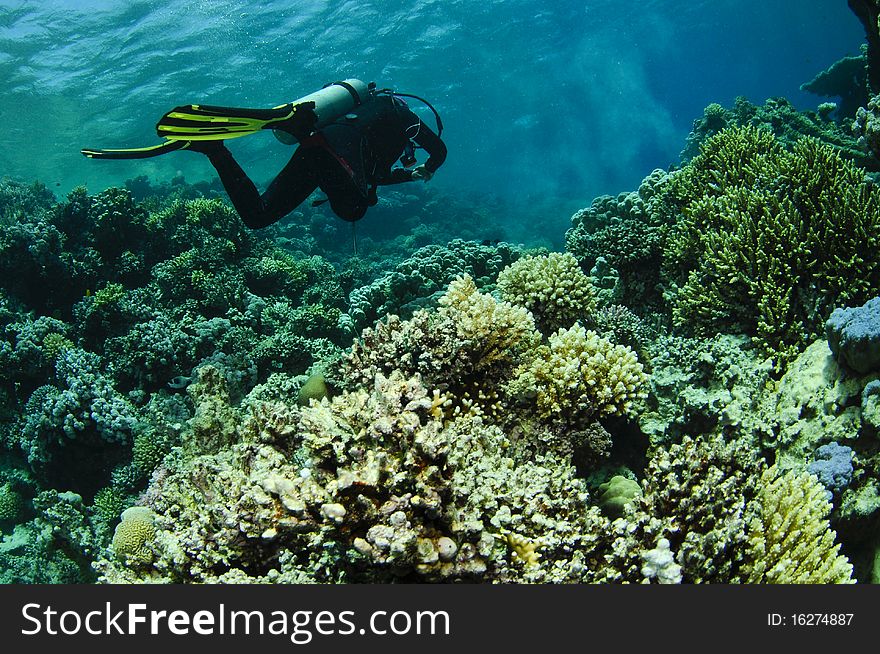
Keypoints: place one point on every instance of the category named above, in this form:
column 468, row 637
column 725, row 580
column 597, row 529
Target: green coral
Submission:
column 771, row 239
column 111, row 294
column 791, row 541
column 616, row 493
column 11, row 504
column 552, row 287
column 54, row 344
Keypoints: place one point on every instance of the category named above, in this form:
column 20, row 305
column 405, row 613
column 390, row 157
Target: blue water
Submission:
column 546, row 104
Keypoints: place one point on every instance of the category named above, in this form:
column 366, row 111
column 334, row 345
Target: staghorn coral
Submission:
column 771, row 239
column 552, row 287
column 790, row 542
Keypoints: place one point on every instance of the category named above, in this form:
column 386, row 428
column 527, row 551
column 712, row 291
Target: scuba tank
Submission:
column 339, row 98
column 334, row 100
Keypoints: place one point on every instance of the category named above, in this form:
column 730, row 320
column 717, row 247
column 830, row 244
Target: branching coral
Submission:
column 771, row 239
column 552, row 287
column 791, row 541
column 469, row 346
column 580, row 376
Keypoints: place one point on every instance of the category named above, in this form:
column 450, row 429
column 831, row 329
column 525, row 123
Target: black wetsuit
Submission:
column 346, row 159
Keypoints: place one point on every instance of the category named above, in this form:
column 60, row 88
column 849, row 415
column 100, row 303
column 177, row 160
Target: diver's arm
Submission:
column 436, row 150
column 433, row 145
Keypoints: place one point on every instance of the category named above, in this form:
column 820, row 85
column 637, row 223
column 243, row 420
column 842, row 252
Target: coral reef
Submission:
column 416, row 282
column 181, row 400
column 771, row 239
column 778, row 115
column 627, row 234
column 699, row 386
column 373, row 485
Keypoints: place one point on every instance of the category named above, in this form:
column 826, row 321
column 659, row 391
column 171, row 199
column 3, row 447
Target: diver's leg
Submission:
column 287, row 191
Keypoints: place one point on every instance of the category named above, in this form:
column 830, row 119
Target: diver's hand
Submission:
column 421, row 173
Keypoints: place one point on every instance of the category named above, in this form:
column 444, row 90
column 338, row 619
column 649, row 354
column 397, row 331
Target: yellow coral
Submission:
column 791, row 541
column 580, row 376
column 524, row 549
column 133, row 534
column 552, row 287
column 494, row 331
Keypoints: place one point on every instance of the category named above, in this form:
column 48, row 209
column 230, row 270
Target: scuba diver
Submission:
column 346, row 159
column 350, row 136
